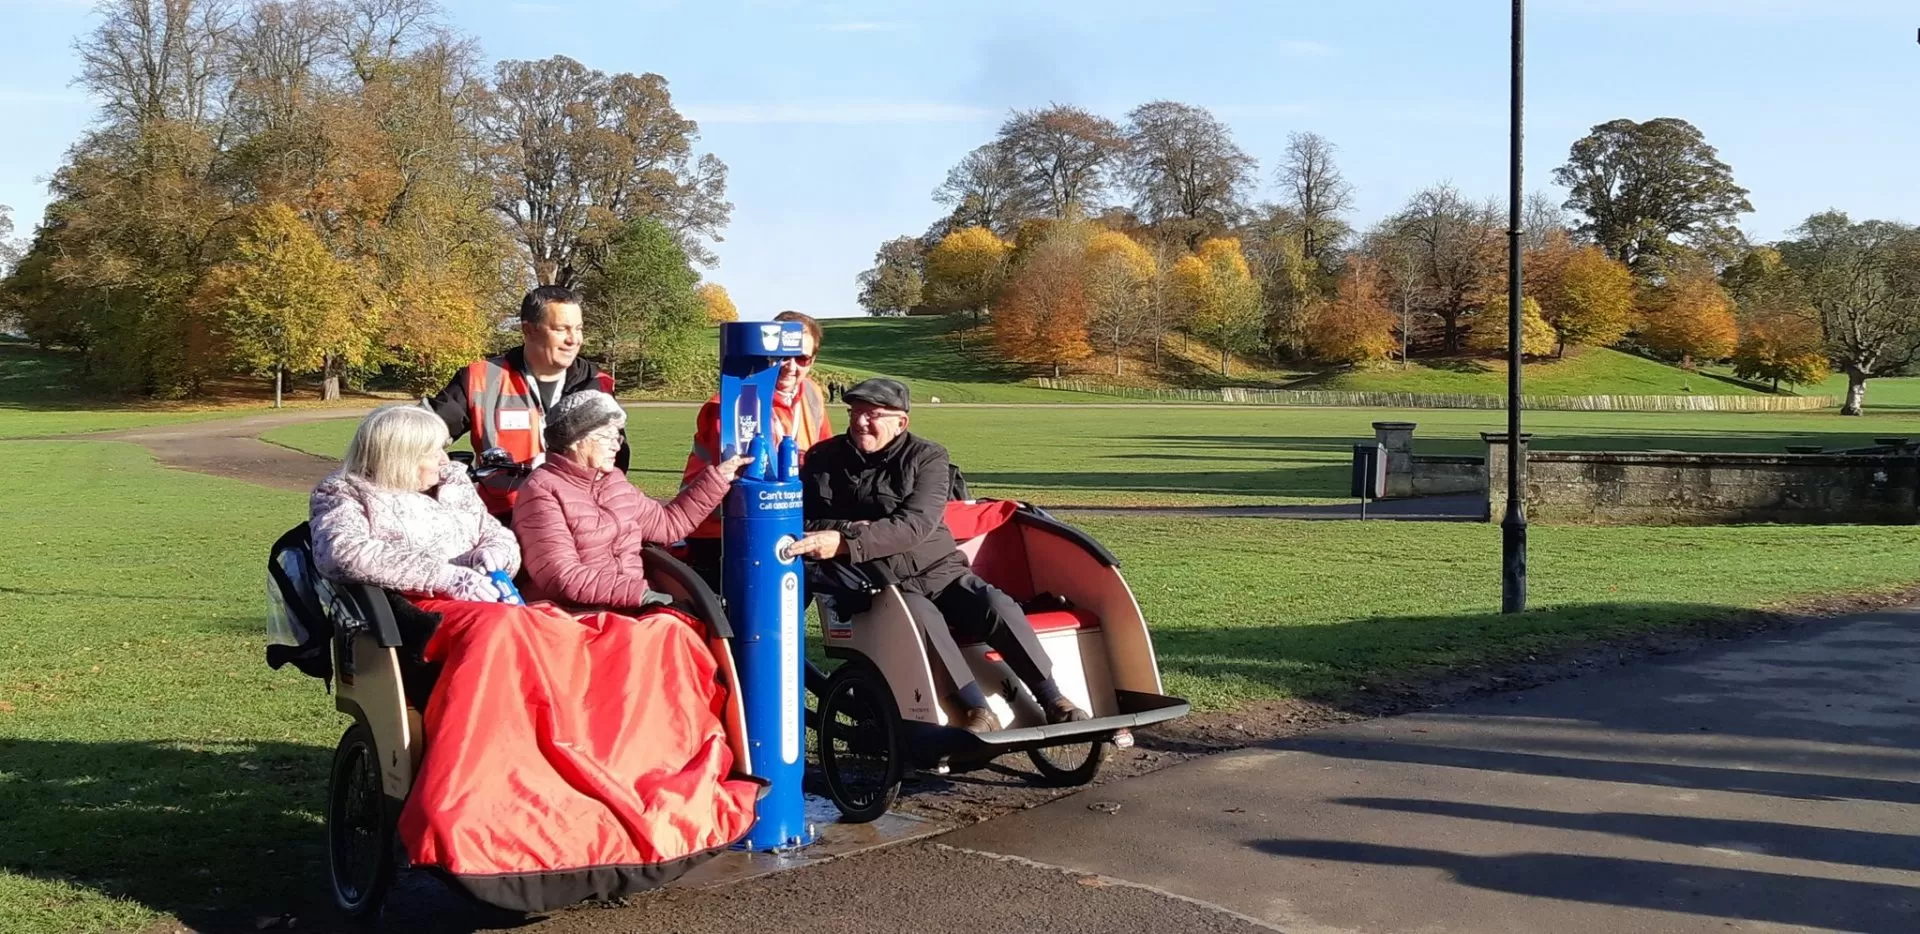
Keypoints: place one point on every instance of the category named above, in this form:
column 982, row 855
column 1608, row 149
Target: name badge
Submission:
column 515, row 420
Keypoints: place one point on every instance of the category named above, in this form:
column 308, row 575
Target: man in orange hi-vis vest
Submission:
column 799, row 409
column 503, row 400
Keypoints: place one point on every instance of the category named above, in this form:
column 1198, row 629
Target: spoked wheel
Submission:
column 860, row 755
column 1068, row 766
column 359, row 826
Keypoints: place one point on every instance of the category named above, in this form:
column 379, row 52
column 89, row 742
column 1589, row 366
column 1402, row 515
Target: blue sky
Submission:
column 838, row 119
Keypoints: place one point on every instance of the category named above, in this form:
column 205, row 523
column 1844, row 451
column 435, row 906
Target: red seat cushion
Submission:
column 970, row 520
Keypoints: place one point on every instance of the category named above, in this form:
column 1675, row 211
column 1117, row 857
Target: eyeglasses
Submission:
column 803, row 361
column 608, row 437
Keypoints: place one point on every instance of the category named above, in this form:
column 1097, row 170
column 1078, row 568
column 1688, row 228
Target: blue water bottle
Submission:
column 789, row 459
column 508, row 592
column 762, row 467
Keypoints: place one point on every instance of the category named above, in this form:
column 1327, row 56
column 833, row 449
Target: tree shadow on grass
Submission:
column 217, row 835
column 1053, row 488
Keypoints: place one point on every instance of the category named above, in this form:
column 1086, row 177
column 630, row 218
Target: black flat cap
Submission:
column 881, row 391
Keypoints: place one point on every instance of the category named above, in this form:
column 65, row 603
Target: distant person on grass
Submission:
column 503, row 400
column 799, row 410
column 876, row 500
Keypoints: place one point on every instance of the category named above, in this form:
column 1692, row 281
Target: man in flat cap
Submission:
column 876, row 497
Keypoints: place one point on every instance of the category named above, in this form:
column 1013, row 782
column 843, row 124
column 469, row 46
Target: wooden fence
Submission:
column 1449, row 400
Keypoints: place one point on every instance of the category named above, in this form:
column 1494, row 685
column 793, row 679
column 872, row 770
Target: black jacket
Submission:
column 451, row 403
column 889, row 505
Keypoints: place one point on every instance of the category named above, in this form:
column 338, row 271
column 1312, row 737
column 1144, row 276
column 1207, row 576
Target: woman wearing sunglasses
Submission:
column 799, row 410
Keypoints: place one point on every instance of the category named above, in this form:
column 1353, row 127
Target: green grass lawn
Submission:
column 37, row 398
column 151, row 766
column 1586, row 371
column 1196, row 455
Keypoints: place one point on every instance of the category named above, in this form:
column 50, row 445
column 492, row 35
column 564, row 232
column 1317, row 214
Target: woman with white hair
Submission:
column 582, row 524
column 399, row 515
column 567, row 757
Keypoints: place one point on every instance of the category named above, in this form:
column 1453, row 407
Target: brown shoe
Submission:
column 1064, row 711
column 979, row 720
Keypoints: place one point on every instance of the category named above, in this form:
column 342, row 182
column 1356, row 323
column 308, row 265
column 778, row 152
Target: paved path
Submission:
column 231, row 447
column 1770, row 785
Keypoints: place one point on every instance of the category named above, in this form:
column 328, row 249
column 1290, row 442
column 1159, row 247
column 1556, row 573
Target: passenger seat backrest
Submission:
column 1001, row 560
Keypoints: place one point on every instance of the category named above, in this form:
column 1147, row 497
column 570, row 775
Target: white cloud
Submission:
column 861, row 27
column 841, row 111
column 1303, row 48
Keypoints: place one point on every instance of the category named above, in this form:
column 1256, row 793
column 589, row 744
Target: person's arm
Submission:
column 673, row 520
column 344, row 548
column 555, row 566
column 495, row 548
column 451, row 405
column 913, row 521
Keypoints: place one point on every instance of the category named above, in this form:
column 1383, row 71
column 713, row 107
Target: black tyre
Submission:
column 859, row 737
column 1069, row 766
column 360, row 826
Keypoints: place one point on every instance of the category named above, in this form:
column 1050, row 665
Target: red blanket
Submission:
column 571, row 759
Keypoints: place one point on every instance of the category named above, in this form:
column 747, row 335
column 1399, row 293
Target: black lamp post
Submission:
column 1513, row 528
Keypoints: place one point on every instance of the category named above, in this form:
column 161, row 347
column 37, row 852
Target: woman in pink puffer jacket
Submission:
column 581, row 524
column 400, row 516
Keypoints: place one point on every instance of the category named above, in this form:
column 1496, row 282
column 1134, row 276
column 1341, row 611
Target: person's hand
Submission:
column 731, row 467
column 822, row 545
column 475, row 587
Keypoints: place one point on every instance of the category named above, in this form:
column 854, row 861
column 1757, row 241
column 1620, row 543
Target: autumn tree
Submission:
column 965, row 270
column 642, row 307
column 717, row 303
column 1120, row 277
column 1318, row 194
column 1462, row 246
column 1357, row 325
column 1291, row 283
column 1491, row 327
column 1064, row 156
column 1187, row 175
column 1222, row 300
column 1041, row 316
column 577, row 153
column 1586, row 295
column 1862, row 281
column 1642, row 186
column 896, row 283
column 284, row 303
column 1402, row 263
column 1781, row 348
column 1689, row 316
column 985, row 190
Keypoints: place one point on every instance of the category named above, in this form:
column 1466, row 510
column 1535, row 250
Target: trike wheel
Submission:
column 360, row 826
column 860, row 755
column 1071, row 765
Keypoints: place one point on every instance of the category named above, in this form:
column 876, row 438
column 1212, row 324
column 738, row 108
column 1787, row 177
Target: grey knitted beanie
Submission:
column 580, row 414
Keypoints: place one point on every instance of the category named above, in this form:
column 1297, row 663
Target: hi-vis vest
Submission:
column 502, row 411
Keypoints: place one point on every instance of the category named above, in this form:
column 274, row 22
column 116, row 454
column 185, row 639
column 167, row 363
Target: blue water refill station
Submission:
column 765, row 590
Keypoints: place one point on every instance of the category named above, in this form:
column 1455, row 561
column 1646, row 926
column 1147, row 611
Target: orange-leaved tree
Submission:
column 1041, row 316
column 1782, row 348
column 1357, row 326
column 1689, row 316
column 1586, row 295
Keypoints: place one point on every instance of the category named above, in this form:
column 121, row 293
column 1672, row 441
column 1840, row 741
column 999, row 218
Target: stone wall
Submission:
column 1410, row 474
column 1671, row 488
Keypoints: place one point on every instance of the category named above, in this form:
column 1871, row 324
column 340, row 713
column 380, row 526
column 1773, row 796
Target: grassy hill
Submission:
column 1586, row 371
